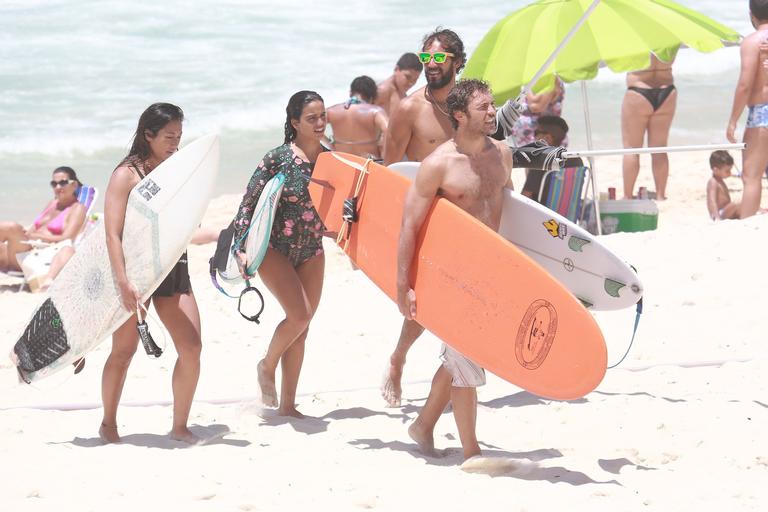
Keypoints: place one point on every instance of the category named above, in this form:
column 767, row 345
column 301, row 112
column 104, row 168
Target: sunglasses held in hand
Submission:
column 426, row 57
column 60, row 183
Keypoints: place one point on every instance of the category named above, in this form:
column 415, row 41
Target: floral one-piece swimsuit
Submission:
column 297, row 232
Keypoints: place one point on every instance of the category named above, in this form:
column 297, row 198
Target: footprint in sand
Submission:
column 494, row 466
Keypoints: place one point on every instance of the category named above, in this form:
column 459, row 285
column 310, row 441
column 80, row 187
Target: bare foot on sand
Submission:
column 108, row 433
column 391, row 389
column 184, row 435
column 423, row 439
column 267, row 385
column 290, row 411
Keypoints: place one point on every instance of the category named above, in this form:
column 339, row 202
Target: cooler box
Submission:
column 628, row 215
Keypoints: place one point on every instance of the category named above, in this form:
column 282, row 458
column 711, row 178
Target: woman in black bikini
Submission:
column 157, row 137
column 648, row 106
column 294, row 264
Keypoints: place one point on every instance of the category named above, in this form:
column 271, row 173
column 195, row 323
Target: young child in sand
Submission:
column 719, row 201
column 752, row 91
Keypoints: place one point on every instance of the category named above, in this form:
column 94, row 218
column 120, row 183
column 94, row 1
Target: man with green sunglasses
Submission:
column 420, row 123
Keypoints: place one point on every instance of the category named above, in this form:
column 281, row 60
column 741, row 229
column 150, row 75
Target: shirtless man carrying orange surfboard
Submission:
column 470, row 170
column 418, row 125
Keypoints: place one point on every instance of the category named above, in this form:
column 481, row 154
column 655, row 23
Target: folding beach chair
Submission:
column 36, row 262
column 563, row 191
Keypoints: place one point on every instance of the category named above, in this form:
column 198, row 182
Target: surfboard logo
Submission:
column 536, row 334
column 148, row 189
column 556, row 229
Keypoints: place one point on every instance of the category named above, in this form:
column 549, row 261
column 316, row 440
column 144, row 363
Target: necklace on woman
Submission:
column 433, row 101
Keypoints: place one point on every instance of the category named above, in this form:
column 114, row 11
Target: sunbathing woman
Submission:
column 293, row 266
column 157, row 137
column 58, row 224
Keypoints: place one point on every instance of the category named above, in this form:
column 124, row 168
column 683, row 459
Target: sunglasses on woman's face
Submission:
column 60, row 183
column 426, row 57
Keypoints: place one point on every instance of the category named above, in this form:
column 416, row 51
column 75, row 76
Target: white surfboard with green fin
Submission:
column 599, row 278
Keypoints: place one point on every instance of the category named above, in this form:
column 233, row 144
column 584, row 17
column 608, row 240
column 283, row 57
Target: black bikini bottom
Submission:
column 655, row 96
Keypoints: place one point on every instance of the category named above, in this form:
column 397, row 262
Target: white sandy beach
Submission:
column 680, row 425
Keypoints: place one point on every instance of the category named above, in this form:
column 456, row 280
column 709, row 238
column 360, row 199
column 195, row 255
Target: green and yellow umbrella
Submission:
column 619, row 34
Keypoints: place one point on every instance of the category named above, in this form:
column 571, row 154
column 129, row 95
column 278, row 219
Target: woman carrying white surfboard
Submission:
column 294, row 263
column 157, row 137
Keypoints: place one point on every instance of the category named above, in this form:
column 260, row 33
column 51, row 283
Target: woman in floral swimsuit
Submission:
column 294, row 264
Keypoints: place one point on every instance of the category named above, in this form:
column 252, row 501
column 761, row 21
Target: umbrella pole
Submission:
column 592, row 170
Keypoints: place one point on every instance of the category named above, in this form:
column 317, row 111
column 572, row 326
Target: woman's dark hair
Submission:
column 70, row 172
column 365, row 87
column 294, row 109
column 152, row 120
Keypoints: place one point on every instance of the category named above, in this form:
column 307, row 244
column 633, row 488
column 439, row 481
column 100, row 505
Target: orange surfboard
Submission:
column 475, row 290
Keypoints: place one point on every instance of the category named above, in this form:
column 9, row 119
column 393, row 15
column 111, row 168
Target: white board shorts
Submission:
column 465, row 373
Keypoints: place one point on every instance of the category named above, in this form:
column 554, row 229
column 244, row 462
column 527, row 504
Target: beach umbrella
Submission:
column 619, row 34
column 571, row 39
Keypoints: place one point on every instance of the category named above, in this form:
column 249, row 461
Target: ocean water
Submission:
column 76, row 74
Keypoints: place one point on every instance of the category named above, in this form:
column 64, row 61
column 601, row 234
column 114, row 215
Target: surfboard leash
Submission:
column 349, row 209
column 150, row 347
column 638, row 312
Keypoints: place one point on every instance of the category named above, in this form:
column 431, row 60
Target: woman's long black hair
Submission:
column 294, row 109
column 152, row 120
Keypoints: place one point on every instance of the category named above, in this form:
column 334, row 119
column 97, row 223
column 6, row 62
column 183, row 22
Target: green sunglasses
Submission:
column 426, row 57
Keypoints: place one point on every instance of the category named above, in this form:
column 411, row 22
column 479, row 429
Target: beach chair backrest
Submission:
column 565, row 195
column 87, row 196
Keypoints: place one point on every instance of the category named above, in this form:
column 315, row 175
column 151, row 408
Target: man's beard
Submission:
column 442, row 81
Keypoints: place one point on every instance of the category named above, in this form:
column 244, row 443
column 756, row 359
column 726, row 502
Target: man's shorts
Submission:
column 464, row 372
column 758, row 116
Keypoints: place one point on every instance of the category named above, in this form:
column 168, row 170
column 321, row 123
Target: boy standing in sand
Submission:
column 752, row 91
column 718, row 198
column 393, row 89
column 470, row 170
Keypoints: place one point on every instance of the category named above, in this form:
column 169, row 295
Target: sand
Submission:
column 680, row 425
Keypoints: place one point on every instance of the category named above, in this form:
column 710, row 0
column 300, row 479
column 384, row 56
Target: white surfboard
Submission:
column 256, row 238
column 572, row 255
column 83, row 306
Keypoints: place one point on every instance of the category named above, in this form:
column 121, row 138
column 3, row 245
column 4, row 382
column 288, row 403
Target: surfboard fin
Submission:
column 585, row 303
column 576, row 244
column 612, row 287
